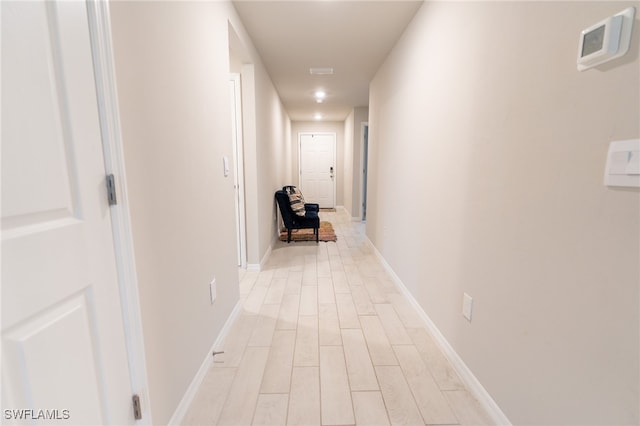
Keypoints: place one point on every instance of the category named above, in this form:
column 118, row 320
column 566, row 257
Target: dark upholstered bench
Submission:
column 291, row 220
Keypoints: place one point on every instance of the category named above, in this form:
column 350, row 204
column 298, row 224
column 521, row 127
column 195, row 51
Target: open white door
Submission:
column 318, row 168
column 64, row 355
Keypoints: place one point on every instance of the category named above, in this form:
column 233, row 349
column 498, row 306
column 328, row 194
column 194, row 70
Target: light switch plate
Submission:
column 467, row 306
column 213, row 290
column 225, row 165
column 623, row 164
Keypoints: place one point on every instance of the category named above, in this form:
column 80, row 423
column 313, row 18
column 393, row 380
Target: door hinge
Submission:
column 137, row 410
column 111, row 190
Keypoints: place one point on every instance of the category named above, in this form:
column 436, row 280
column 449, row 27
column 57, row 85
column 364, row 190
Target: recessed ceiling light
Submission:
column 317, row 117
column 320, row 94
column 321, row 71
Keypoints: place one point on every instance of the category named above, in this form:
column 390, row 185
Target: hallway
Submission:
column 325, row 337
column 492, row 180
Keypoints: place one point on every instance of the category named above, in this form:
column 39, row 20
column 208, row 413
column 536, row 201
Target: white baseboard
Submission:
column 266, row 256
column 187, row 399
column 253, row 267
column 468, row 378
column 257, row 267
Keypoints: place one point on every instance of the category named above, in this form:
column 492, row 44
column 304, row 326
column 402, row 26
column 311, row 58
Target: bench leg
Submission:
column 317, row 235
column 288, row 235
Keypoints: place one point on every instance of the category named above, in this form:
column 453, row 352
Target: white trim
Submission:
column 238, row 163
column 468, row 378
column 192, row 390
column 265, row 258
column 257, row 267
column 100, row 30
column 253, row 267
column 335, row 168
column 363, row 181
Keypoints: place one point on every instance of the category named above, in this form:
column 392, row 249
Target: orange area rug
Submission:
column 326, row 233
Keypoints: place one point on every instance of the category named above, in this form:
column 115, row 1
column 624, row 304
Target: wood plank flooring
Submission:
column 325, row 338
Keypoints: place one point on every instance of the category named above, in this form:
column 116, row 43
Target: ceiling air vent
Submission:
column 321, row 71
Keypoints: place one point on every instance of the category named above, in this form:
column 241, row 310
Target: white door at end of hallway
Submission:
column 318, row 168
column 64, row 350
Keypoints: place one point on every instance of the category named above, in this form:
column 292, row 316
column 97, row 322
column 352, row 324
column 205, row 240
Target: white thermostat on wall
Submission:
column 606, row 40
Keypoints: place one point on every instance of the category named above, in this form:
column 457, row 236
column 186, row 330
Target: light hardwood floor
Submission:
column 325, row 338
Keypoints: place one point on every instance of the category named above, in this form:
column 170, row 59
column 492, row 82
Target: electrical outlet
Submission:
column 467, row 306
column 212, row 290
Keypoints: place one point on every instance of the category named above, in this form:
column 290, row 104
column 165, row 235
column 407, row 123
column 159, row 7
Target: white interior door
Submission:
column 238, row 165
column 64, row 357
column 318, row 168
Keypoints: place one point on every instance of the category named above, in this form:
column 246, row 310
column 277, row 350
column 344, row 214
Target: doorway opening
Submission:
column 365, row 159
column 235, row 94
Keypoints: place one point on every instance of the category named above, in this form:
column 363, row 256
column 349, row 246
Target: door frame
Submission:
column 364, row 160
column 110, row 128
column 238, row 168
column 335, row 168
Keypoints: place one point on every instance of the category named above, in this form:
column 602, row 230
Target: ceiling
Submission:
column 352, row 37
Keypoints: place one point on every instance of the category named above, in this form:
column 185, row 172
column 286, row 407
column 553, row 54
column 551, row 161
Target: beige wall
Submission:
column 336, row 127
column 486, row 176
column 267, row 158
column 353, row 167
column 273, row 151
column 172, row 66
column 361, row 116
column 347, row 182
